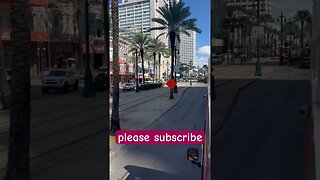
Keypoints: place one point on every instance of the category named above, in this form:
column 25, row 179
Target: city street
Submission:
column 256, row 126
column 66, row 128
column 263, row 136
column 165, row 161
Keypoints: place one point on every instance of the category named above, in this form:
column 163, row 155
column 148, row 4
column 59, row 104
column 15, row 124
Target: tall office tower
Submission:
column 136, row 16
column 188, row 47
column 265, row 8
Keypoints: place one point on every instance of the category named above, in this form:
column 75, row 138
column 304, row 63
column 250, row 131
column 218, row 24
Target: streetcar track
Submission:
column 85, row 122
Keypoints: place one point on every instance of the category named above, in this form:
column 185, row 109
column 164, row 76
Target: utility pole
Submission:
column 258, row 64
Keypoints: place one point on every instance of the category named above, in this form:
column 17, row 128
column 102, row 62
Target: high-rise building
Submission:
column 187, row 47
column 136, row 16
column 265, row 5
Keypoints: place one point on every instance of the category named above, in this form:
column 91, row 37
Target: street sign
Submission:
column 171, row 83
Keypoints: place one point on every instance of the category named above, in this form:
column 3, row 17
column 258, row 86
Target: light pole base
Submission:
column 88, row 90
column 258, row 69
column 175, row 89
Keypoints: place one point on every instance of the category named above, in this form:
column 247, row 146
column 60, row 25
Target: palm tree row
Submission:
column 303, row 17
column 173, row 22
column 147, row 48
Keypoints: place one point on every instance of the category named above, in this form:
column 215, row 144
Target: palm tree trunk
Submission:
column 238, row 40
column 4, row 86
column 159, row 74
column 20, row 107
column 143, row 79
column 301, row 35
column 115, row 118
column 172, row 42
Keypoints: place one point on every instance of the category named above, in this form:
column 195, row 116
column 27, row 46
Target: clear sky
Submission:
column 201, row 11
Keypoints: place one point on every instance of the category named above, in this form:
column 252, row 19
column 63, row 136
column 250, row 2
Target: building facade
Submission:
column 136, row 16
column 266, row 6
column 187, row 48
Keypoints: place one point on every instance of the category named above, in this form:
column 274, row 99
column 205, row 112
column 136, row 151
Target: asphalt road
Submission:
column 144, row 162
column 263, row 137
column 64, row 125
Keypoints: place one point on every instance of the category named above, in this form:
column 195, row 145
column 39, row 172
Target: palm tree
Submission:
column 302, row 17
column 291, row 29
column 18, row 167
column 157, row 47
column 4, row 86
column 115, row 118
column 141, row 42
column 308, row 26
column 175, row 21
column 265, row 19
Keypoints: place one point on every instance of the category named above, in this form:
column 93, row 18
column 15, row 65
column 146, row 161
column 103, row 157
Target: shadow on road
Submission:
column 140, row 173
column 263, row 136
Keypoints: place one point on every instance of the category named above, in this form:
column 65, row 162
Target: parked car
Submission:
column 128, row 87
column 60, row 79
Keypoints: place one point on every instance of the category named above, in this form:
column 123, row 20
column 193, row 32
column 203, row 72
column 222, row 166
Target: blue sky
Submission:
column 201, row 11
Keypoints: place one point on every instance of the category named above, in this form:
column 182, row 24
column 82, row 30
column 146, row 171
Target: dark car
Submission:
column 305, row 59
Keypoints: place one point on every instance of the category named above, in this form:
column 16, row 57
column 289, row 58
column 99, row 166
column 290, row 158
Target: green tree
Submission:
column 18, row 167
column 292, row 29
column 302, row 17
column 265, row 19
column 115, row 118
column 175, row 21
column 157, row 48
column 141, row 42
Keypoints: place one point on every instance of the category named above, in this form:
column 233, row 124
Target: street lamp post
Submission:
column 228, row 57
column 88, row 90
column 137, row 73
column 282, row 17
column 258, row 63
column 275, row 42
column 190, row 69
column 175, row 90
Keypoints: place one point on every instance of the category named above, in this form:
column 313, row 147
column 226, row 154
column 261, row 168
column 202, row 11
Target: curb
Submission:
column 233, row 103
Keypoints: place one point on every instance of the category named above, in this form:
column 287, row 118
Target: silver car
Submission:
column 128, row 87
column 60, row 79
